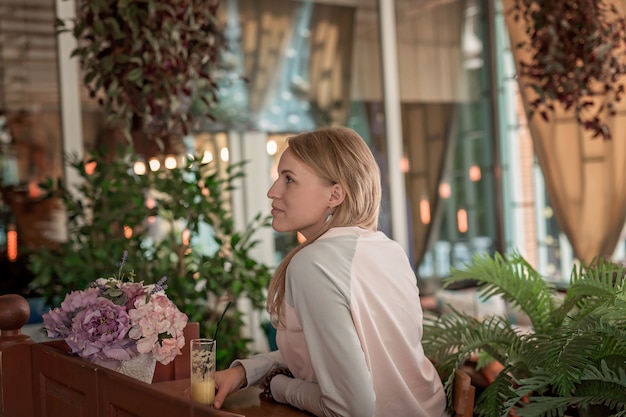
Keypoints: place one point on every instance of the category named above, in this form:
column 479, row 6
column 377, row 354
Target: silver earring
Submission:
column 330, row 215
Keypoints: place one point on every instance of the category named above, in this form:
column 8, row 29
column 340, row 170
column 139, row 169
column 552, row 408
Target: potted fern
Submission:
column 572, row 361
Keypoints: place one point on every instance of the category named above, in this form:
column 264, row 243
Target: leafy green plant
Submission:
column 143, row 59
column 574, row 357
column 207, row 261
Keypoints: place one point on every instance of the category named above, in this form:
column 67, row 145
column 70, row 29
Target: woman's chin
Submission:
column 278, row 227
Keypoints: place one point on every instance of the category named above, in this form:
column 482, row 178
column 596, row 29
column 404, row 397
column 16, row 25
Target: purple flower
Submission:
column 57, row 323
column 100, row 332
column 79, row 299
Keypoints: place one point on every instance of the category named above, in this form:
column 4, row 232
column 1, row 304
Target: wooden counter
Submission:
column 46, row 380
column 247, row 402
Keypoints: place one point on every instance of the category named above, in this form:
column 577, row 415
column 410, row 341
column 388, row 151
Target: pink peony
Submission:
column 133, row 291
column 158, row 327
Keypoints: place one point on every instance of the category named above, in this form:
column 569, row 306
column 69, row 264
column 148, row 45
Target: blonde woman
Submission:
column 345, row 303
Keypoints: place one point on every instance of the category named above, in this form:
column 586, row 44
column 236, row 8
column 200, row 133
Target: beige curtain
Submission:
column 585, row 177
column 429, row 131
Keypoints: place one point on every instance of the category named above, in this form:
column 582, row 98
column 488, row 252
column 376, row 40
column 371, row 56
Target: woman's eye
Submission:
column 289, row 179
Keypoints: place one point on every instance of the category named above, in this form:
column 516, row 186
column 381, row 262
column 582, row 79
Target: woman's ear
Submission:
column 337, row 195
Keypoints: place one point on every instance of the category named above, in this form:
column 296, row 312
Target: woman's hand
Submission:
column 227, row 381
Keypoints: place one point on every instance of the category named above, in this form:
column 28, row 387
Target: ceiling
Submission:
column 28, row 55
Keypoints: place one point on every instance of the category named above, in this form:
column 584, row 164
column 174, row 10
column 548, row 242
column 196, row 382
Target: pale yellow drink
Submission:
column 203, row 370
column 203, row 391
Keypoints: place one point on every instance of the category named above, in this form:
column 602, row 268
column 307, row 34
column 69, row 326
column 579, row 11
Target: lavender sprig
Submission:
column 124, row 259
column 159, row 286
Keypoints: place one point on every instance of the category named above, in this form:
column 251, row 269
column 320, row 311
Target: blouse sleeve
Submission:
column 258, row 366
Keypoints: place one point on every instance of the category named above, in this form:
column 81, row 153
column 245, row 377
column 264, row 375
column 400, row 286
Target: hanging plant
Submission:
column 143, row 59
column 576, row 57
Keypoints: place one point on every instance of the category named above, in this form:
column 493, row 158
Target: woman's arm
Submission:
column 244, row 373
column 258, row 366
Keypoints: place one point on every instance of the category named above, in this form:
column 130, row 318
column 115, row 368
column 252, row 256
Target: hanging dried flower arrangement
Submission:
column 576, row 57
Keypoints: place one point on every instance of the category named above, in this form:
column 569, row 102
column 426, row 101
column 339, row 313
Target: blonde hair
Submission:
column 340, row 156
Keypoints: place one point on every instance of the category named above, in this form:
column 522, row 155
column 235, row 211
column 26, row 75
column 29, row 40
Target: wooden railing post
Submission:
column 16, row 381
column 14, row 314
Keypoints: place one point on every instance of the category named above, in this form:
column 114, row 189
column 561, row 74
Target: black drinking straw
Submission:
column 217, row 326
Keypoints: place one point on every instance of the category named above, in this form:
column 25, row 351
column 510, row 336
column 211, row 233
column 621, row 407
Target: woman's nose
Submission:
column 271, row 193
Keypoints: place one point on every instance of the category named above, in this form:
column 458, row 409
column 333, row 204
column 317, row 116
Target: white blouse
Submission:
column 352, row 335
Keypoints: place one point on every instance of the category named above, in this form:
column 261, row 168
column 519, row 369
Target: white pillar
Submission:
column 69, row 91
column 248, row 200
column 393, row 123
column 69, row 108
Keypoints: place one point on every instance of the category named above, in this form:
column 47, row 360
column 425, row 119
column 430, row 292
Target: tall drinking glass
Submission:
column 203, row 370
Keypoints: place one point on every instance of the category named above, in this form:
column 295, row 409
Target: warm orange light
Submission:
column 90, row 167
column 128, row 232
column 33, row 190
column 12, row 243
column 186, row 237
column 425, row 211
column 461, row 220
column 404, row 165
column 150, row 203
column 474, row 173
column 444, row 190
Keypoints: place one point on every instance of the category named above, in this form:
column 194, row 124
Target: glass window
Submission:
column 446, row 112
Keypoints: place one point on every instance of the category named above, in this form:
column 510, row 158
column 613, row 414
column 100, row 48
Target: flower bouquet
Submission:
column 116, row 320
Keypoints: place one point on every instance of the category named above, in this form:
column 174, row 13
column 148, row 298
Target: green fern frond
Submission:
column 443, row 341
column 598, row 386
column 492, row 401
column 608, row 375
column 452, row 338
column 610, row 274
column 516, row 281
column 565, row 355
column 546, row 406
column 612, row 311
